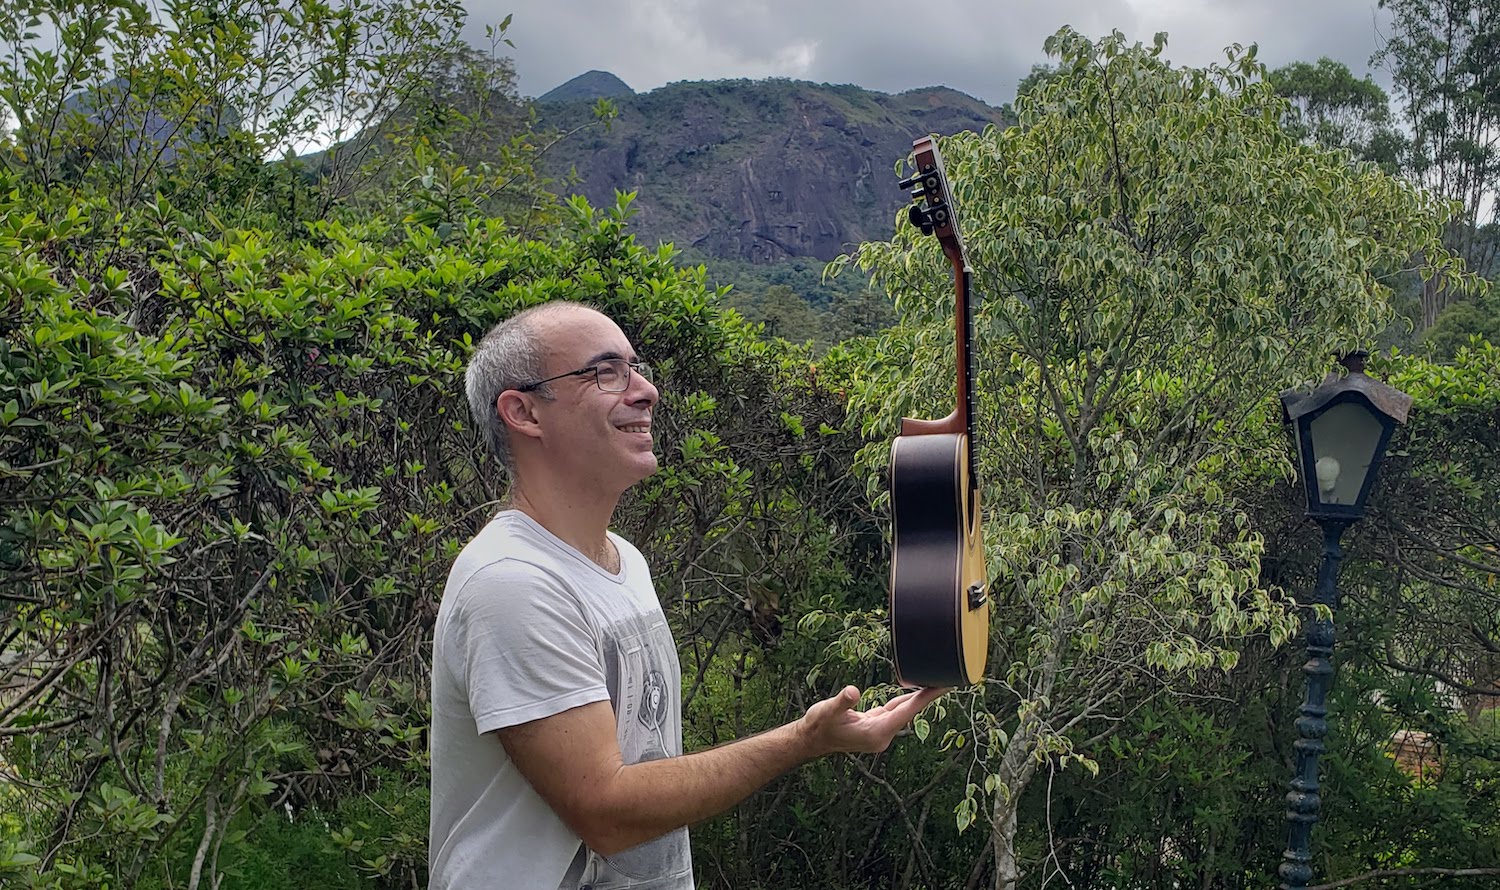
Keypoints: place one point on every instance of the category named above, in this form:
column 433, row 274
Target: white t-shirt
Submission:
column 529, row 627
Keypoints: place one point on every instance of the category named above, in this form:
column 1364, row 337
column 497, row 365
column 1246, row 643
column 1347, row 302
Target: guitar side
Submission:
column 938, row 609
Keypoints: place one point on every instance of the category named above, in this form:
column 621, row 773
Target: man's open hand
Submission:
column 833, row 724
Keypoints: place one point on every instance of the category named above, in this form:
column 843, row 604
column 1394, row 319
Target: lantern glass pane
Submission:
column 1344, row 439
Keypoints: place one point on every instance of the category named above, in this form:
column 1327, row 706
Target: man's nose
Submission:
column 643, row 390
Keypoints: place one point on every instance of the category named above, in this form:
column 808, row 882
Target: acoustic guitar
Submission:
column 939, row 604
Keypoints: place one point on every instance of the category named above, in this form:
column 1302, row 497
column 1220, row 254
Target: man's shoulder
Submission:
column 504, row 553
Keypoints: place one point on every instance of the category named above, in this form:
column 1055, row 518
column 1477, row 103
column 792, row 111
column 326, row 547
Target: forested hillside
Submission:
column 236, row 462
column 759, row 171
column 761, row 181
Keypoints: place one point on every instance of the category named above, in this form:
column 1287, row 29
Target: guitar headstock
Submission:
column 933, row 209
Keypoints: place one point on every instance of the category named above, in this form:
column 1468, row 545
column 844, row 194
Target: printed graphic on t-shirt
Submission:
column 639, row 657
column 654, row 701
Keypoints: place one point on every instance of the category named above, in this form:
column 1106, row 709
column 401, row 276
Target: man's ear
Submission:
column 516, row 412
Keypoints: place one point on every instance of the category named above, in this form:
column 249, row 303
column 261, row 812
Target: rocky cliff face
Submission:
column 758, row 170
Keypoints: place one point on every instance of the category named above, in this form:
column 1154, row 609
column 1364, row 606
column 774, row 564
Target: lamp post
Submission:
column 1341, row 429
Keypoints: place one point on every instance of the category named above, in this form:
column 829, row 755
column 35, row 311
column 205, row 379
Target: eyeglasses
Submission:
column 610, row 375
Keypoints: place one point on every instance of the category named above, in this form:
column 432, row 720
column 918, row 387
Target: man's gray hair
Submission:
column 509, row 356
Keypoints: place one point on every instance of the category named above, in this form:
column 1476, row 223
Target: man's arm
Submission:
column 573, row 761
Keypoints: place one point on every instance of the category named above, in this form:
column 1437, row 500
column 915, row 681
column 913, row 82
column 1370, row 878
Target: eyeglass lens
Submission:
column 614, row 375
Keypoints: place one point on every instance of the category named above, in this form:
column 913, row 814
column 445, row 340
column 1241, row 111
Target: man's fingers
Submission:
column 840, row 702
column 914, row 701
column 928, row 696
column 902, row 706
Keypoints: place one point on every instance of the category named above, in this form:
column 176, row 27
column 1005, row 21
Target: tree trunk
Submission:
column 1435, row 298
column 1015, row 772
column 210, row 826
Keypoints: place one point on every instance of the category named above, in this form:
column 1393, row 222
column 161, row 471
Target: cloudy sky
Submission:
column 982, row 47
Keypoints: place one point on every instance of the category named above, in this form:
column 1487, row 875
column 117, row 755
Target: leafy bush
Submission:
column 237, row 471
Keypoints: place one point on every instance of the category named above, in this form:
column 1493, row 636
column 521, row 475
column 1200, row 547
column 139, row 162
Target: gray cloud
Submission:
column 982, row 48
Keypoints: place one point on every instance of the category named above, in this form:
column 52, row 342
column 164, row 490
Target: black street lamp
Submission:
column 1341, row 429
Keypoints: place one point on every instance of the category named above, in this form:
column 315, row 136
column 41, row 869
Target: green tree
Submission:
column 189, row 103
column 859, row 314
column 1036, row 78
column 463, row 144
column 1159, row 257
column 1441, row 532
column 1189, row 787
column 1461, row 324
column 125, row 92
column 1331, row 107
column 1444, row 58
column 783, row 313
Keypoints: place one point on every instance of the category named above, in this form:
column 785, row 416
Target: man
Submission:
column 557, row 737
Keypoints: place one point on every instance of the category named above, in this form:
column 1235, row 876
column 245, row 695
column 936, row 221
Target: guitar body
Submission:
column 938, row 565
column 939, row 607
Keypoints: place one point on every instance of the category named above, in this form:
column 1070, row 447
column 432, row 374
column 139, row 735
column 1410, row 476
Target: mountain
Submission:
column 147, row 130
column 590, row 86
column 759, row 171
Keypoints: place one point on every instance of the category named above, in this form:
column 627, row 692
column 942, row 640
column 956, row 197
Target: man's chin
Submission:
column 642, row 465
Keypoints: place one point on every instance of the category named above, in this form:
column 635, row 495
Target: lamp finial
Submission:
column 1354, row 362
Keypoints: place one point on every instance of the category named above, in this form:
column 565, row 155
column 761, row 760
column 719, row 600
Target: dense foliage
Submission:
column 1148, row 288
column 235, row 464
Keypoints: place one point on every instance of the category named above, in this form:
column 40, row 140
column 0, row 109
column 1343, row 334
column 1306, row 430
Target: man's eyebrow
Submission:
column 605, row 356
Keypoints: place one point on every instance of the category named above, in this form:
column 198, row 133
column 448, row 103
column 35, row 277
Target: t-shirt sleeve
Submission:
column 521, row 647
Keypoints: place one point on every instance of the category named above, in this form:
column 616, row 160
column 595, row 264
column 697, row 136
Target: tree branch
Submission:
column 1457, row 684
column 1405, row 872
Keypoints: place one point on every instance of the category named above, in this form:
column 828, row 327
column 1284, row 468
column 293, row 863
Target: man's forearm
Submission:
column 574, row 763
column 645, row 800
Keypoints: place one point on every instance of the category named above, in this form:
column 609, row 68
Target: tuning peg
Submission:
column 920, row 219
column 926, row 179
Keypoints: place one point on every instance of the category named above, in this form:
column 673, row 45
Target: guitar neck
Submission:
column 937, row 214
column 964, row 338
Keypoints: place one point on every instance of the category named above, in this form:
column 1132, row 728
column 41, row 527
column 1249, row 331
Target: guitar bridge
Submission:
column 978, row 595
